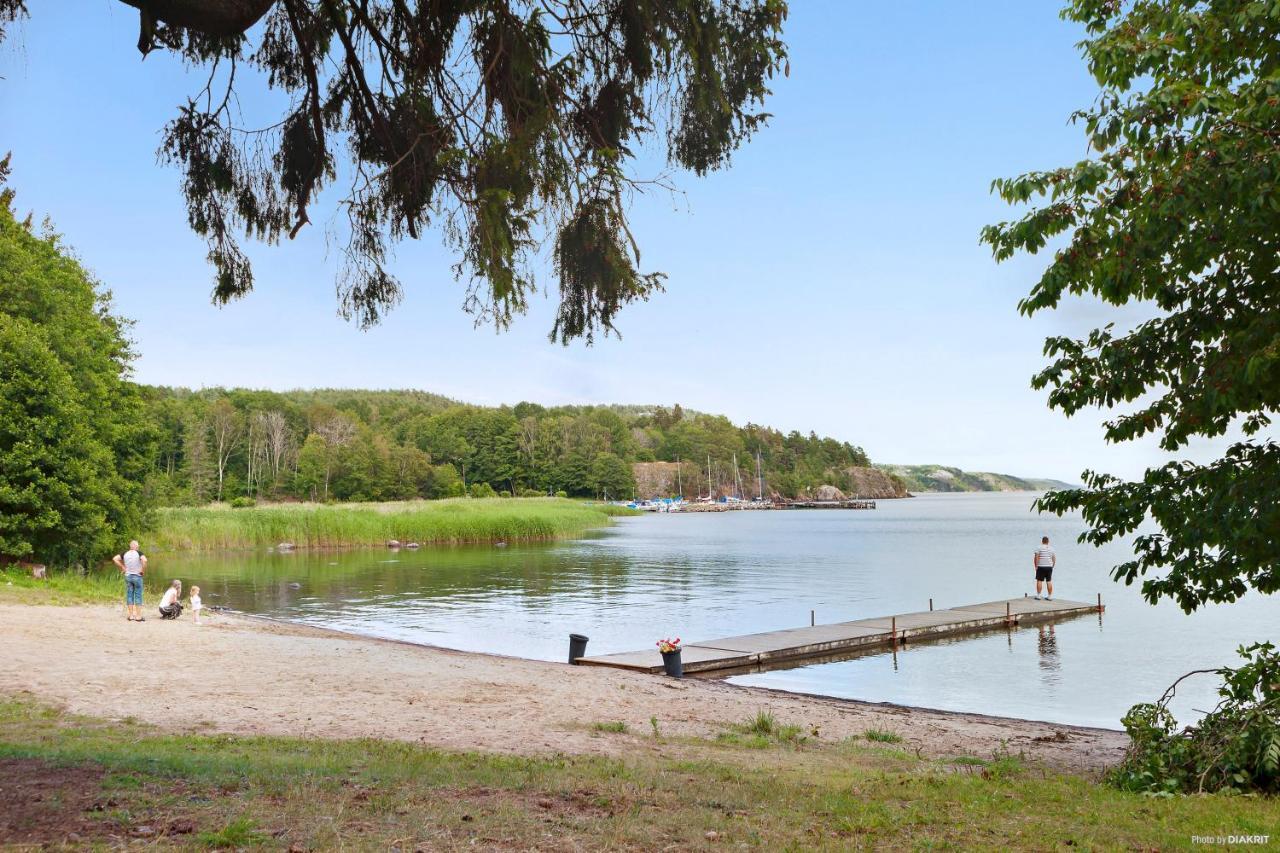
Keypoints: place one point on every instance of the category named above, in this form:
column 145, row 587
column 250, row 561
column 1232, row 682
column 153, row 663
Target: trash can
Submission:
column 577, row 647
column 671, row 663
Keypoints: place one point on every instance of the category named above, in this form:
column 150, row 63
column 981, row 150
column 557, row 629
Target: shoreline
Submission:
column 252, row 675
column 892, row 707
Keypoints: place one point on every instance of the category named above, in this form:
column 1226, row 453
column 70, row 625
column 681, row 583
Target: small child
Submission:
column 196, row 606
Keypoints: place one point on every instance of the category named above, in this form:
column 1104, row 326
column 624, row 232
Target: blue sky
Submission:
column 830, row 280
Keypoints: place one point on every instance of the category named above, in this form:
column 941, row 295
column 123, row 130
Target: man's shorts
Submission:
column 1044, row 573
column 133, row 589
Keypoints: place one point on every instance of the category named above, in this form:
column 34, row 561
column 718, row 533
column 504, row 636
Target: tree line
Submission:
column 361, row 445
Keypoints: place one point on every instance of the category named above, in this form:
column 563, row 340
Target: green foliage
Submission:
column 61, row 587
column 481, row 490
column 508, row 124
column 74, row 445
column 242, row 503
column 334, row 445
column 1235, row 747
column 426, row 522
column 1177, row 213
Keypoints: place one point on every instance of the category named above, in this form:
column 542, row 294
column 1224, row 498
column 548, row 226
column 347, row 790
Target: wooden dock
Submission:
column 795, row 645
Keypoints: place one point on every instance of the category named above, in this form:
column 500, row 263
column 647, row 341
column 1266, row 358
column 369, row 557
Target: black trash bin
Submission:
column 671, row 663
column 577, row 647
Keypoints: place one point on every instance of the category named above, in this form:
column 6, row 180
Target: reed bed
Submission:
column 444, row 522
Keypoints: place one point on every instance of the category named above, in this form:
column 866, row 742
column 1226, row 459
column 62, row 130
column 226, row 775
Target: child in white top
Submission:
column 196, row 606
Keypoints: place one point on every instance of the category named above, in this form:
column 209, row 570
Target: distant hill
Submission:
column 943, row 478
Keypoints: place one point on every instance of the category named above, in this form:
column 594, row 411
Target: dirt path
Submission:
column 240, row 675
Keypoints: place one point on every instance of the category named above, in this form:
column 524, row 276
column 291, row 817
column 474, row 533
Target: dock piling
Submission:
column 931, row 605
column 1100, row 607
column 811, row 619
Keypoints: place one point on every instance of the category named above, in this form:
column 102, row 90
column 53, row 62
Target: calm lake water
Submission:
column 700, row 576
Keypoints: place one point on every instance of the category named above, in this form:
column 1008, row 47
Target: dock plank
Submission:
column 823, row 641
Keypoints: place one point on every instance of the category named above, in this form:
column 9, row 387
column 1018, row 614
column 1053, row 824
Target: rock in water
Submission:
column 393, row 543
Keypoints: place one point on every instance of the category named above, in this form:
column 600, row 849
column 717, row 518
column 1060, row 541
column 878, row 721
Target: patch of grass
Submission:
column 62, row 586
column 762, row 731
column 882, row 736
column 370, row 794
column 239, row 832
column 614, row 727
column 443, row 522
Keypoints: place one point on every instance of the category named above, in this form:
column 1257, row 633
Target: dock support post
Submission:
column 931, row 605
column 1008, row 616
column 893, row 631
column 812, row 622
column 1100, row 607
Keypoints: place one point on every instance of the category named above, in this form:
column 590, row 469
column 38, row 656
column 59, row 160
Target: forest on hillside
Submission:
column 359, row 445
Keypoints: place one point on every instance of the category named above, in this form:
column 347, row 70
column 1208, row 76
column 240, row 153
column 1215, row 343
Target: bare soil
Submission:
column 246, row 676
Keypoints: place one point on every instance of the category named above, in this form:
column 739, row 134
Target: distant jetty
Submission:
column 742, row 506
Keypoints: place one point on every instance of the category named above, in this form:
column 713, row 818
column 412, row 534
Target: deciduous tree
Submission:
column 1178, row 214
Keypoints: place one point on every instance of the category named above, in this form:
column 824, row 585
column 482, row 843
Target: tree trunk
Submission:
column 211, row 17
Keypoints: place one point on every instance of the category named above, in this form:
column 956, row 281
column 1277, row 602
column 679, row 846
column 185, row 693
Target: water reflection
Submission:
column 1047, row 645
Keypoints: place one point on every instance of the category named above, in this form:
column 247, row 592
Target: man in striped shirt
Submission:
column 1044, row 560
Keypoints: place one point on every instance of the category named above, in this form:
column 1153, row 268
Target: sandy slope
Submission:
column 246, row 676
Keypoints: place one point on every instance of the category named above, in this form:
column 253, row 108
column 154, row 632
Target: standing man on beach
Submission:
column 133, row 564
column 1044, row 560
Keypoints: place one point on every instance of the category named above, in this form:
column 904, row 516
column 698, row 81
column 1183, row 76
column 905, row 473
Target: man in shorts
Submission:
column 1044, row 560
column 133, row 565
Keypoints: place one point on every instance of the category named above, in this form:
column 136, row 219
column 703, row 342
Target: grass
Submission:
column 762, row 731
column 882, row 736
column 612, row 727
column 61, row 587
column 260, row 792
column 451, row 522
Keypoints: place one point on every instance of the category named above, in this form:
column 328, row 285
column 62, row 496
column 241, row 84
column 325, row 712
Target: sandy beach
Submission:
column 241, row 675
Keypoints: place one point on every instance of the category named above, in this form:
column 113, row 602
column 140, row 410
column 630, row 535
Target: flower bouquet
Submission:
column 671, row 657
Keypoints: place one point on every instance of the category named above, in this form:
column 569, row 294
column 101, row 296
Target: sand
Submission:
column 247, row 676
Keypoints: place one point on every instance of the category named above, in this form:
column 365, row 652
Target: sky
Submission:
column 830, row 280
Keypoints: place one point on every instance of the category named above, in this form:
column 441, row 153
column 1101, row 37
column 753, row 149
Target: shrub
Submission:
column 504, row 494
column 531, row 493
column 1236, row 747
column 242, row 503
column 481, row 490
column 562, row 494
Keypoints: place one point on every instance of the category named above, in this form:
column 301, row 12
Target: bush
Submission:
column 562, row 494
column 242, row 503
column 482, row 490
column 504, row 494
column 1236, row 747
column 531, row 493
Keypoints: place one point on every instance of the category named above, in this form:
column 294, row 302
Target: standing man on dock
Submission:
column 1044, row 560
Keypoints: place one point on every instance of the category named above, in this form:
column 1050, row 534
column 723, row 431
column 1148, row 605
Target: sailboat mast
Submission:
column 759, row 478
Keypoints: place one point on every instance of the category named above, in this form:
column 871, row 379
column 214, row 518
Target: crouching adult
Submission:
column 170, row 606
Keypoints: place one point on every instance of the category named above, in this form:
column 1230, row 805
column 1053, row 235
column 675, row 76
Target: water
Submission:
column 700, row 576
